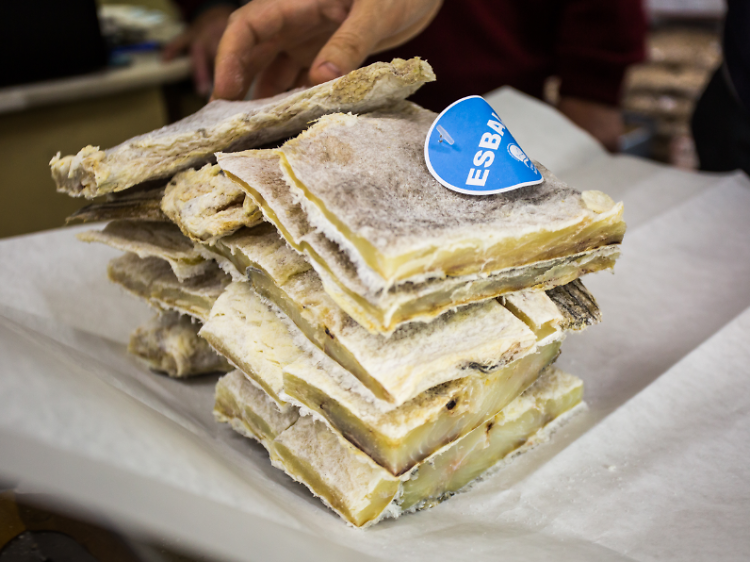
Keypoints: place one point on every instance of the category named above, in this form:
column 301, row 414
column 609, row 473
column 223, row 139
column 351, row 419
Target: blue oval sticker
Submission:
column 470, row 150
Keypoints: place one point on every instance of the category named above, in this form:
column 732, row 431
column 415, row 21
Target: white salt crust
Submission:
column 232, row 126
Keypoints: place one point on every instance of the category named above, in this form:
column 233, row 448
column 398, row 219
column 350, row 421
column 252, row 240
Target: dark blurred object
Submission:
column 44, row 39
column 721, row 127
column 682, row 55
column 35, row 527
column 181, row 100
column 476, row 46
column 39, row 527
column 721, row 122
column 191, row 9
column 42, row 546
column 737, row 49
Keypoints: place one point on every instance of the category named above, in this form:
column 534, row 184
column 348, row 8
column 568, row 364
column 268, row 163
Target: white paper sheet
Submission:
column 657, row 468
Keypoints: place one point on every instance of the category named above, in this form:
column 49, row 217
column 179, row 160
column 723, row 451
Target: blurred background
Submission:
column 108, row 85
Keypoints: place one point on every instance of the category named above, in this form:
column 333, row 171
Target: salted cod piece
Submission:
column 249, row 410
column 206, row 205
column 273, row 267
column 399, row 438
column 230, row 126
column 483, row 336
column 363, row 493
column 257, row 341
column 284, row 278
column 153, row 280
column 169, row 343
column 152, row 239
column 383, row 310
column 138, row 204
column 568, row 307
column 252, row 338
column 363, row 181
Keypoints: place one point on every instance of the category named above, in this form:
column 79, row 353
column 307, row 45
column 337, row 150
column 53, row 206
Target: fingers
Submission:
column 343, row 32
column 350, row 44
column 242, row 52
column 279, row 76
column 372, row 26
column 427, row 11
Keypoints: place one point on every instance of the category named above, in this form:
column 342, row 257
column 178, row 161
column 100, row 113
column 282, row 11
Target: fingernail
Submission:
column 331, row 69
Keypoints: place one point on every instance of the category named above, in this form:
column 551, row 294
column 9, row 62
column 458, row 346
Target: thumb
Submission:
column 349, row 46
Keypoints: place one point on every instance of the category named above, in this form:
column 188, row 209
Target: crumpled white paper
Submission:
column 657, row 468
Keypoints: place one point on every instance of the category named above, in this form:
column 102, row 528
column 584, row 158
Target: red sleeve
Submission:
column 597, row 41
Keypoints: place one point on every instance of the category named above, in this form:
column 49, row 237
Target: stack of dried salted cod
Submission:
column 392, row 340
column 170, row 206
column 396, row 338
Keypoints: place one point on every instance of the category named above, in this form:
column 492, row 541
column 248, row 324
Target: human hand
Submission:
column 603, row 122
column 287, row 43
column 202, row 41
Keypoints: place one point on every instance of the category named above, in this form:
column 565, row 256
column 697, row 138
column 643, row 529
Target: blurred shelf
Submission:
column 146, row 71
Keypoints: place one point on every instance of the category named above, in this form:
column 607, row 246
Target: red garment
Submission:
column 191, row 9
column 476, row 46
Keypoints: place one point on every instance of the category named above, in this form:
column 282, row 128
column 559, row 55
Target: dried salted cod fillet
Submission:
column 249, row 410
column 397, row 437
column 170, row 343
column 362, row 492
column 230, row 126
column 138, row 204
column 285, row 278
column 258, row 248
column 363, row 181
column 381, row 310
column 523, row 424
column 537, row 310
column 353, row 486
column 207, row 205
column 246, row 332
column 577, row 306
column 567, row 307
column 153, row 280
column 152, row 239
column 481, row 336
column 343, row 477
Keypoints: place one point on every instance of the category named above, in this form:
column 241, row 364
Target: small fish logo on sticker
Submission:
column 515, row 151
